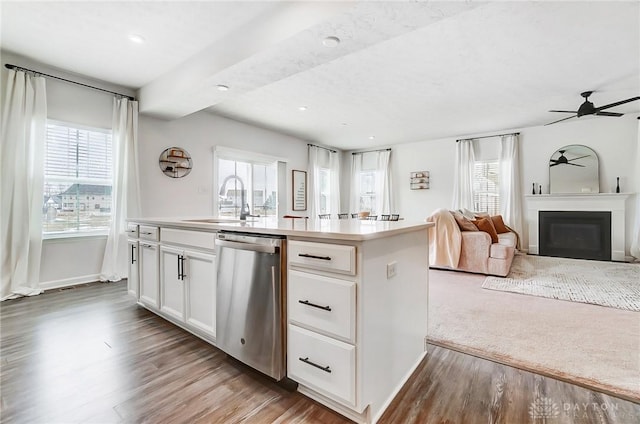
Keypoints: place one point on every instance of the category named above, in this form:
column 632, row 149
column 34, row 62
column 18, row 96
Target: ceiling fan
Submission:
column 562, row 160
column 587, row 108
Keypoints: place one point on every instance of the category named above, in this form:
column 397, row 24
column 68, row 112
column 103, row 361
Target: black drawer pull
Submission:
column 306, row 302
column 306, row 255
column 142, row 232
column 307, row 361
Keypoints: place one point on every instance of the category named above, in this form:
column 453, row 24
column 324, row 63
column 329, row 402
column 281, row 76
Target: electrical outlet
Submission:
column 391, row 269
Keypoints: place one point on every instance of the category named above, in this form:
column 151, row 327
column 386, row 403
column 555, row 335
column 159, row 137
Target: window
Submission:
column 248, row 182
column 78, row 167
column 367, row 193
column 325, row 191
column 486, row 185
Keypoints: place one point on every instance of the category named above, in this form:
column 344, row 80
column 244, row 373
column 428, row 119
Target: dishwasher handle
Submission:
column 247, row 246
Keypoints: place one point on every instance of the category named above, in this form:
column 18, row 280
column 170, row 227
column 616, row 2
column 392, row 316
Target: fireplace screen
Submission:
column 575, row 234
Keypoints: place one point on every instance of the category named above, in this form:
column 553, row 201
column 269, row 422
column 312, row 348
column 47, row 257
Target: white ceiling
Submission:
column 404, row 71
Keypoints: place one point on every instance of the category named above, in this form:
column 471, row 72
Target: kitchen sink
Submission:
column 218, row 220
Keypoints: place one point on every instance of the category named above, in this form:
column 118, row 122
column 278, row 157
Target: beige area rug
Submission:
column 584, row 344
column 612, row 284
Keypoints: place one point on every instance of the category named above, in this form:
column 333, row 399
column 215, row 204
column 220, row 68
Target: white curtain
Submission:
column 319, row 159
column 635, row 237
column 510, row 187
column 379, row 163
column 384, row 200
column 463, row 175
column 356, row 169
column 125, row 192
column 22, row 150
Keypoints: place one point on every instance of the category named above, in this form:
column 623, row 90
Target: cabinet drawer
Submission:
column 189, row 238
column 149, row 233
column 322, row 363
column 323, row 256
column 323, row 303
column 132, row 230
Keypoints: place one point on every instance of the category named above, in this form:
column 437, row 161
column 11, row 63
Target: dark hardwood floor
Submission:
column 89, row 354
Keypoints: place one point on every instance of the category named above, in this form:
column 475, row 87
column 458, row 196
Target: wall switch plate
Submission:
column 391, row 269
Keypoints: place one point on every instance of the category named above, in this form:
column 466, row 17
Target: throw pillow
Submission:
column 498, row 224
column 468, row 214
column 485, row 224
column 463, row 223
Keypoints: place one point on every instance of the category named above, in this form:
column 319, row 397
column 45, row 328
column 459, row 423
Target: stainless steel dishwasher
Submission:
column 249, row 300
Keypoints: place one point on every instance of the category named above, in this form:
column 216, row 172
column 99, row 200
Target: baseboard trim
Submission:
column 578, row 381
column 66, row 282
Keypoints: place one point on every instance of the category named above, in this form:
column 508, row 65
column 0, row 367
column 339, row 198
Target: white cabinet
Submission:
column 133, row 274
column 171, row 282
column 133, row 277
column 323, row 363
column 323, row 256
column 188, row 280
column 200, row 269
column 321, row 345
column 323, row 304
column 355, row 333
column 149, row 259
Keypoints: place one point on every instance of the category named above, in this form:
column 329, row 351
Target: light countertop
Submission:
column 336, row 229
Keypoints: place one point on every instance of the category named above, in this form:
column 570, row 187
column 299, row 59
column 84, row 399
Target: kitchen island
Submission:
column 354, row 298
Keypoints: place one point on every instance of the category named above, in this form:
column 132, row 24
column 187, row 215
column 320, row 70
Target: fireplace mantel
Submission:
column 611, row 202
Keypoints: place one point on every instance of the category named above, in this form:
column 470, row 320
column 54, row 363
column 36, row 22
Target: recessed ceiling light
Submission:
column 302, row 108
column 371, row 137
column 137, row 38
column 222, row 87
column 331, row 41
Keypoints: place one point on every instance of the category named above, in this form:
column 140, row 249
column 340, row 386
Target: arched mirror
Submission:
column 574, row 169
column 175, row 162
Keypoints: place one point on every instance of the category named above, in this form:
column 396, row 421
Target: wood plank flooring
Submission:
column 89, row 354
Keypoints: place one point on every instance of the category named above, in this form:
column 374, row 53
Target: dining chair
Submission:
column 385, row 217
column 394, row 217
column 324, row 216
column 372, row 218
column 354, row 215
column 343, row 216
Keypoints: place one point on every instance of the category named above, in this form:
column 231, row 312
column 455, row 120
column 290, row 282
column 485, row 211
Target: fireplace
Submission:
column 575, row 234
column 612, row 203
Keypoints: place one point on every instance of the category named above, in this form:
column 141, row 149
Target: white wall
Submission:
column 77, row 260
column 198, row 134
column 613, row 139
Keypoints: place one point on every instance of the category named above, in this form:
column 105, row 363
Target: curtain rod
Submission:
column 487, row 136
column 322, row 147
column 20, row 68
column 371, row 151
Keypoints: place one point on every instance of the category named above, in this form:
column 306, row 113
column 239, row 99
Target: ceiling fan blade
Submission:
column 609, row 114
column 564, row 111
column 580, row 157
column 554, row 164
column 621, row 102
column 575, row 164
column 560, row 120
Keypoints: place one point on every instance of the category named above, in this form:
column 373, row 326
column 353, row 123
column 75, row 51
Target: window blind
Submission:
column 486, row 185
column 78, row 177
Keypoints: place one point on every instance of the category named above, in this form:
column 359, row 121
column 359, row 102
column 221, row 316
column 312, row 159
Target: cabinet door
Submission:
column 200, row 270
column 172, row 283
column 149, row 283
column 133, row 276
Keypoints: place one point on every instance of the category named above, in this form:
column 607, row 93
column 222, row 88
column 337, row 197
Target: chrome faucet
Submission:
column 244, row 212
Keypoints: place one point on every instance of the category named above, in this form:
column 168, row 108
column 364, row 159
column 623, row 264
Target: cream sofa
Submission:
column 471, row 251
